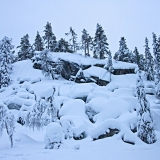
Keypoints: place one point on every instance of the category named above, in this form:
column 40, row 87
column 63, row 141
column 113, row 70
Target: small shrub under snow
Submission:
column 54, row 136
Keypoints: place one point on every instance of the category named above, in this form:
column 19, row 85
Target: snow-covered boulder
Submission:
column 81, row 91
column 114, row 108
column 73, row 127
column 54, row 136
column 73, row 108
column 95, row 106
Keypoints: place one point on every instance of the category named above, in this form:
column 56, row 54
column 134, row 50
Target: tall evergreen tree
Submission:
column 39, row 46
column 86, row 42
column 50, row 38
column 73, row 39
column 6, row 59
column 26, row 50
column 156, row 51
column 63, row 46
column 145, row 129
column 149, row 63
column 123, row 54
column 138, row 59
column 100, row 45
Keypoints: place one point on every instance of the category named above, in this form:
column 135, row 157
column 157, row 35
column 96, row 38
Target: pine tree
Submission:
column 73, row 39
column 7, row 121
column 145, row 129
column 156, row 51
column 86, row 42
column 26, row 50
column 46, row 67
column 63, row 46
column 149, row 63
column 109, row 65
column 100, row 45
column 39, row 46
column 123, row 54
column 50, row 38
column 6, row 59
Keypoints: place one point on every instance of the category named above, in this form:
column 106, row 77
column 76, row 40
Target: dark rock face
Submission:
column 110, row 134
column 123, row 71
column 14, row 106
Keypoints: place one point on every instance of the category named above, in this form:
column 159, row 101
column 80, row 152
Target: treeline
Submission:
column 97, row 44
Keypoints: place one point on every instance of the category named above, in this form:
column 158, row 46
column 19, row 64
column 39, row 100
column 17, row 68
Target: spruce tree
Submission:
column 100, row 45
column 26, row 50
column 138, row 59
column 73, row 39
column 156, row 51
column 50, row 38
column 38, row 44
column 86, row 42
column 123, row 54
column 63, row 46
column 145, row 129
column 149, row 63
column 6, row 60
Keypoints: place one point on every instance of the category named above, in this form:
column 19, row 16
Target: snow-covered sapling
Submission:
column 52, row 109
column 38, row 118
column 145, row 128
column 7, row 121
column 54, row 136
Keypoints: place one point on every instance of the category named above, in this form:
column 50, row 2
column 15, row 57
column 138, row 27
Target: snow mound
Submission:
column 114, row 108
column 95, row 106
column 98, row 93
column 73, row 126
column 104, row 127
column 81, row 90
column 73, row 108
column 99, row 72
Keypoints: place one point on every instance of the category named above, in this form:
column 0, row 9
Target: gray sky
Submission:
column 133, row 19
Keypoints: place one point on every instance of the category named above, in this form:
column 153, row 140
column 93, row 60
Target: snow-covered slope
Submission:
column 111, row 106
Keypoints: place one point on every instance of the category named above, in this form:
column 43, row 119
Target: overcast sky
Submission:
column 133, row 19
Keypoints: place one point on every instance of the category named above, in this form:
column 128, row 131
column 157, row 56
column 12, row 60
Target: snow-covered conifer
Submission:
column 6, row 60
column 26, row 50
column 145, row 128
column 73, row 39
column 156, row 51
column 38, row 44
column 46, row 67
column 86, row 42
column 63, row 46
column 7, row 121
column 109, row 65
column 100, row 45
column 138, row 59
column 149, row 63
column 123, row 54
column 50, row 38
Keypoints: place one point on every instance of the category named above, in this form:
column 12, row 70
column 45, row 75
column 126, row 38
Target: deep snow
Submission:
column 119, row 112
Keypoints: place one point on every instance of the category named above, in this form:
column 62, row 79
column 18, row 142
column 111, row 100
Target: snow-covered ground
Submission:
column 110, row 107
